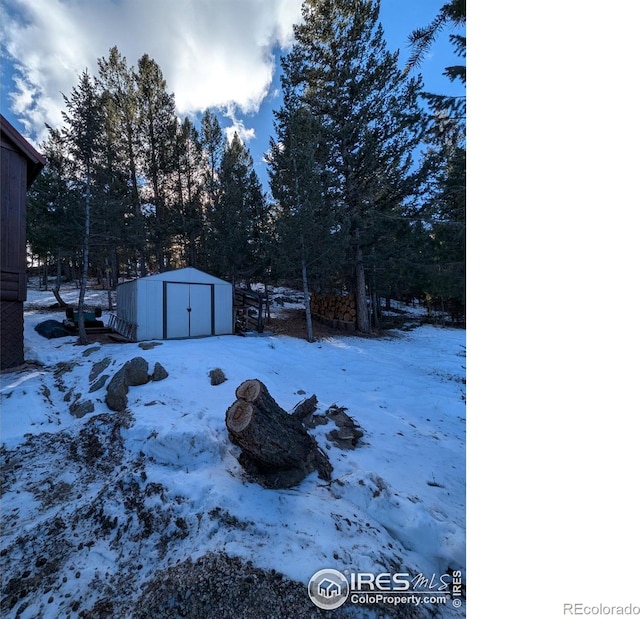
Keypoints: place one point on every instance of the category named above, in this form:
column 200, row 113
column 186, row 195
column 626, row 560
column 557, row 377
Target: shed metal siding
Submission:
column 150, row 313
column 159, row 306
column 223, row 310
column 127, row 297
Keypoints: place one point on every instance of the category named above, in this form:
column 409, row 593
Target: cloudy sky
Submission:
column 220, row 54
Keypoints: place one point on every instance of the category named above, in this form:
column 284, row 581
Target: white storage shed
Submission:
column 176, row 304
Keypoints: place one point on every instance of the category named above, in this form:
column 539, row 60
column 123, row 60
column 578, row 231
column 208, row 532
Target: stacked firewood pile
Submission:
column 335, row 310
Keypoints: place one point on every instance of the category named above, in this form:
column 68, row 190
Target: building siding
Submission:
column 20, row 164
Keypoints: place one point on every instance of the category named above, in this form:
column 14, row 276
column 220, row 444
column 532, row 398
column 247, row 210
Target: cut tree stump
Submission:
column 276, row 449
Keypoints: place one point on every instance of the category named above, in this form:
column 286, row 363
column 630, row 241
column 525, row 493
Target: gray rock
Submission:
column 98, row 368
column 137, row 371
column 133, row 373
column 159, row 373
column 99, row 384
column 80, row 409
column 149, row 345
column 217, row 376
column 117, row 390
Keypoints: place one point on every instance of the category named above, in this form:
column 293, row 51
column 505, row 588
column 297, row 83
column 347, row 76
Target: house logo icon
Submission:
column 328, row 589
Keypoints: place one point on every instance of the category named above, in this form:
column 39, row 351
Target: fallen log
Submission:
column 56, row 294
column 276, row 449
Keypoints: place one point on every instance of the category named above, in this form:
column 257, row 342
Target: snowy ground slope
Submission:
column 92, row 507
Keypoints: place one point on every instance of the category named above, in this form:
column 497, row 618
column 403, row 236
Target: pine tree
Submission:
column 157, row 124
column 83, row 133
column 55, row 213
column 260, row 225
column 446, row 159
column 111, row 213
column 446, row 212
column 213, row 146
column 237, row 218
column 448, row 113
column 372, row 123
column 118, row 83
column 452, row 13
column 190, row 177
column 307, row 235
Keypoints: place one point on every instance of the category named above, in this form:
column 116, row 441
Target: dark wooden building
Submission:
column 20, row 164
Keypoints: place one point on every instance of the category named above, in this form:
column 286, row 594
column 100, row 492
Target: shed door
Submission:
column 188, row 310
column 200, row 296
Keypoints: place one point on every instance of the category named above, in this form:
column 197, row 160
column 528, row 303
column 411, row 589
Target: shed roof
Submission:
column 11, row 136
column 187, row 275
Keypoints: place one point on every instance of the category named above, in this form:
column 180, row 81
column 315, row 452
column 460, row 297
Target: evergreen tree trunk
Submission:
column 109, row 277
column 82, row 332
column 307, row 299
column 58, row 271
column 375, row 310
column 362, row 311
column 375, row 300
column 138, row 217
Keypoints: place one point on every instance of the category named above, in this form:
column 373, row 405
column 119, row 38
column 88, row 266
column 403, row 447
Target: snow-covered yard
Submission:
column 94, row 508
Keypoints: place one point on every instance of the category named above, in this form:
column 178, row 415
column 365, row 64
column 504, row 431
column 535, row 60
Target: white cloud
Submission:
column 237, row 126
column 213, row 53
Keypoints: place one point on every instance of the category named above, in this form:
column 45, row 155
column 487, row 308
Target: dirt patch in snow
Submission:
column 293, row 322
column 87, row 534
